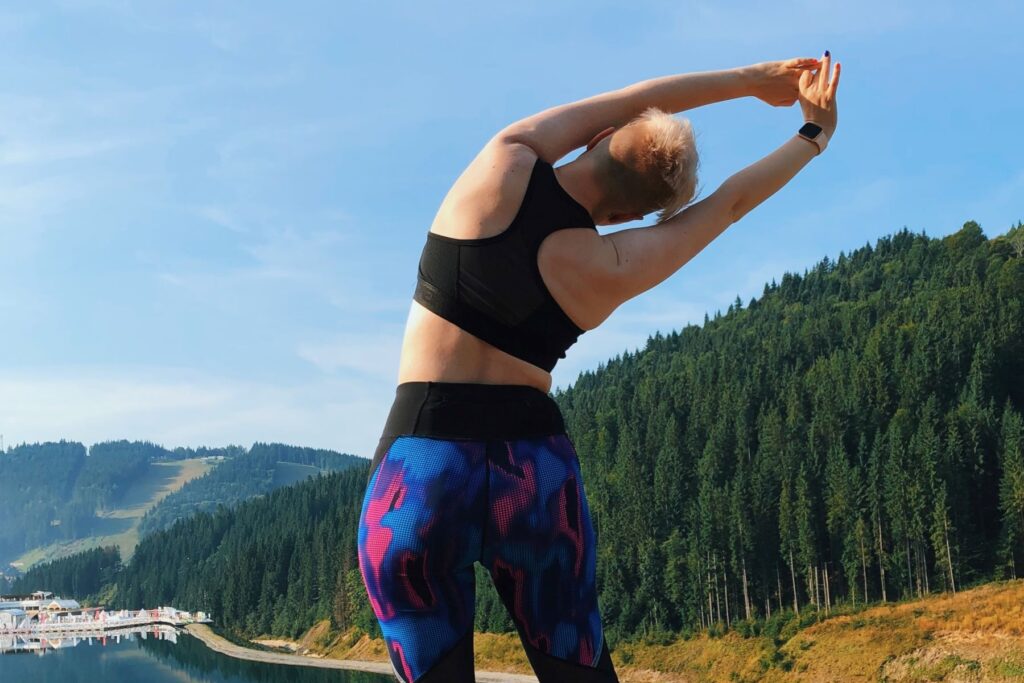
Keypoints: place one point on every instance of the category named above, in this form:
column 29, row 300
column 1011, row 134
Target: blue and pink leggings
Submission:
column 483, row 473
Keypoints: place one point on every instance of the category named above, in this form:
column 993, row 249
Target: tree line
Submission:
column 58, row 491
column 241, row 475
column 78, row 577
column 855, row 434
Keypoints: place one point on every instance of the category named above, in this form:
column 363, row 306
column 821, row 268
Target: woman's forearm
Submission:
column 633, row 260
column 762, row 179
column 556, row 131
column 687, row 91
column 627, row 262
column 757, row 182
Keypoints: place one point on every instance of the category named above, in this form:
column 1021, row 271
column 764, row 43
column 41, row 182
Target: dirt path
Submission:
column 226, row 647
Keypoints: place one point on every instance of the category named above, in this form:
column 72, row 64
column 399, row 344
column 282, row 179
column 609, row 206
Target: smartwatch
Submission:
column 814, row 133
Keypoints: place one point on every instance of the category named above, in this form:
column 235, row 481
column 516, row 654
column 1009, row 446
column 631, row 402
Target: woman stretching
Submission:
column 474, row 464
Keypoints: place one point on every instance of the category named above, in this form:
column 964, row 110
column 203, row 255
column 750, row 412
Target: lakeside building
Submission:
column 11, row 619
column 41, row 643
column 88, row 619
column 38, row 601
column 43, row 612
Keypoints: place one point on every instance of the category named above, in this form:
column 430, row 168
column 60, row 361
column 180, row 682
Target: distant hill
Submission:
column 79, row 576
column 60, row 498
column 854, row 435
column 59, row 492
column 8, row 575
column 259, row 471
column 272, row 564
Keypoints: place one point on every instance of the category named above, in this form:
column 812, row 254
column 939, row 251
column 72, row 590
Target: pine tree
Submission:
column 1011, row 490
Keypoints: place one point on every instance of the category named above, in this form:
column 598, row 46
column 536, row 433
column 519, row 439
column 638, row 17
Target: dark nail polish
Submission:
column 826, row 53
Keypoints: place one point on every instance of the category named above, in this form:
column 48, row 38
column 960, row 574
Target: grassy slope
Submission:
column 973, row 636
column 977, row 635
column 288, row 473
column 121, row 523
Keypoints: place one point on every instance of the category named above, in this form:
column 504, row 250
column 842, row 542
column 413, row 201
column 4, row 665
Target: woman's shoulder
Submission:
column 486, row 196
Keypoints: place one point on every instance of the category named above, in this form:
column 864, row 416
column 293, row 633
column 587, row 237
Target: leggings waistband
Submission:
column 462, row 410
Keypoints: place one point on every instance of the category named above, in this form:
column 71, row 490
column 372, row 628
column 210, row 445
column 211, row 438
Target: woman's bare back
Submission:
column 482, row 203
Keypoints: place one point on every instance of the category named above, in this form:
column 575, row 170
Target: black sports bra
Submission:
column 491, row 286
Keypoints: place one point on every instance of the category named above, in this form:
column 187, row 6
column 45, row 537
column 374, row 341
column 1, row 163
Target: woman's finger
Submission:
column 806, row 78
column 826, row 62
column 802, row 63
column 835, row 82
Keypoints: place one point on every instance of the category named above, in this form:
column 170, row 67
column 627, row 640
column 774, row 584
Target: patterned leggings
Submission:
column 480, row 473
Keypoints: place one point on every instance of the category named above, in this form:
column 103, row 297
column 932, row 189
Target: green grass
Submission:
column 287, row 473
column 120, row 526
column 1009, row 668
column 939, row 671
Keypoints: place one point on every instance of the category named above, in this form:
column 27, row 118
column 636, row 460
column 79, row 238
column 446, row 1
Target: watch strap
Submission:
column 821, row 139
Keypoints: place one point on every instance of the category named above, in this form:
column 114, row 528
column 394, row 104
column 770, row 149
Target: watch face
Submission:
column 810, row 130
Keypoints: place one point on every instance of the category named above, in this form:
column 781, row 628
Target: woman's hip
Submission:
column 457, row 411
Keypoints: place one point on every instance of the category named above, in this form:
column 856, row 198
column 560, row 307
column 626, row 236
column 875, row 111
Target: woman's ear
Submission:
column 600, row 136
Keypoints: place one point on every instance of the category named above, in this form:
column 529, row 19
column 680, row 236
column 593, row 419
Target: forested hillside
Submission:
column 52, row 491
column 58, row 496
column 854, row 434
column 79, row 576
column 276, row 564
column 243, row 475
column 270, row 565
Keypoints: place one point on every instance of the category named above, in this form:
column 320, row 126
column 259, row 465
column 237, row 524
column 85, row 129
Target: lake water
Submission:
column 151, row 659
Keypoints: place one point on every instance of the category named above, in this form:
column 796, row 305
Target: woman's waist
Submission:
column 437, row 350
column 472, row 410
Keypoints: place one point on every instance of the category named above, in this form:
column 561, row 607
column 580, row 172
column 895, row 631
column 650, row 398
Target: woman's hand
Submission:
column 818, row 95
column 777, row 83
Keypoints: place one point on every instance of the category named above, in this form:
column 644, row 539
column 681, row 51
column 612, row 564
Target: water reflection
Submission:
column 40, row 644
column 153, row 655
column 203, row 664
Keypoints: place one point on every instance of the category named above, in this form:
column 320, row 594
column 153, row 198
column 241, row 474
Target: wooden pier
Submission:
column 92, row 620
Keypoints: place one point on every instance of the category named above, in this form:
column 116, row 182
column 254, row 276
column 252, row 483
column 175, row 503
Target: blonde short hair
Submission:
column 650, row 164
column 671, row 149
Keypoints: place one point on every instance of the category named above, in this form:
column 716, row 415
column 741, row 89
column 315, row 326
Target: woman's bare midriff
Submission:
column 481, row 204
column 436, row 350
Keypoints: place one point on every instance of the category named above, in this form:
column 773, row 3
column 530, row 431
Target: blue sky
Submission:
column 211, row 213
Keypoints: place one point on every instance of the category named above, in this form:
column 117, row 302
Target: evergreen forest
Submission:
column 62, row 491
column 855, row 434
column 262, row 469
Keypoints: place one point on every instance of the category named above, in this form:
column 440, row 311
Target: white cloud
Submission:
column 263, row 151
column 290, row 249
column 80, row 145
column 22, row 203
column 319, row 264
column 21, row 152
column 185, row 408
column 225, row 35
column 221, row 216
column 371, row 353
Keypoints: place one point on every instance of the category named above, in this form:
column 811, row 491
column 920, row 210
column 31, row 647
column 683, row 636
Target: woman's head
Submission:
column 649, row 164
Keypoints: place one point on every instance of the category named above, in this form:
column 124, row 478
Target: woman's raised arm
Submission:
column 631, row 261
column 555, row 132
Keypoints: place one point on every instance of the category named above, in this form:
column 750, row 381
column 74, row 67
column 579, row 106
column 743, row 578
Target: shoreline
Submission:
column 220, row 644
